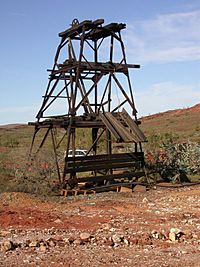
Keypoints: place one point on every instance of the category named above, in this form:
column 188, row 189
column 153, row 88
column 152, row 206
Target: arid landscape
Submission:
column 100, row 133
column 155, row 226
column 158, row 227
column 184, row 122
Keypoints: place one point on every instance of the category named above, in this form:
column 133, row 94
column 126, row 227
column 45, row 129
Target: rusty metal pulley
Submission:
column 75, row 22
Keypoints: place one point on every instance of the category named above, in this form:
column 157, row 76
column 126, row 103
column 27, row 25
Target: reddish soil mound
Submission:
column 195, row 108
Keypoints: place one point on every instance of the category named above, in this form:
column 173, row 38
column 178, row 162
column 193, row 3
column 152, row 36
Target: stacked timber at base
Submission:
column 92, row 86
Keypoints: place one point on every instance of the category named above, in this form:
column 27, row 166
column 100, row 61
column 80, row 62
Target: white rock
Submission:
column 34, row 243
column 85, row 236
column 4, row 233
column 172, row 236
column 58, row 221
column 117, row 238
column 43, row 248
column 145, row 200
column 175, row 231
column 7, row 245
column 126, row 241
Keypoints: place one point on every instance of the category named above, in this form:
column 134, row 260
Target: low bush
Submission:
column 171, row 159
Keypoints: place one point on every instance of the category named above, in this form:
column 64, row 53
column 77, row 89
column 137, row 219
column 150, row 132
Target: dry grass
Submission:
column 15, row 140
column 183, row 122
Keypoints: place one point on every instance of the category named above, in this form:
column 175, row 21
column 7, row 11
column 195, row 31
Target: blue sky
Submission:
column 162, row 36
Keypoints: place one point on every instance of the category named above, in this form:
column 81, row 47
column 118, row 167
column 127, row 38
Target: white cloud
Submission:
column 166, row 38
column 165, row 96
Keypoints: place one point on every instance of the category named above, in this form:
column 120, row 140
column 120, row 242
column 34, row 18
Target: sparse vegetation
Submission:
column 172, row 159
column 172, row 150
column 183, row 122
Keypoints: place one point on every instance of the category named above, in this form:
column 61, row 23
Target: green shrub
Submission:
column 172, row 159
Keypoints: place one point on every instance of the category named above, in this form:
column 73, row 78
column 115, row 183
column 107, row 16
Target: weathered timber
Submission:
column 124, row 130
column 133, row 126
column 77, row 29
column 100, row 178
column 92, row 66
column 104, row 162
column 75, row 192
column 103, row 32
column 87, row 87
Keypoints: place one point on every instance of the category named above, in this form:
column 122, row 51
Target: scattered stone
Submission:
column 126, row 242
column 58, row 221
column 140, row 188
column 133, row 240
column 145, row 200
column 175, row 234
column 85, row 236
column 172, row 237
column 51, row 243
column 43, row 248
column 117, row 238
column 58, row 238
column 124, row 189
column 175, row 230
column 23, row 245
column 107, row 226
column 7, row 245
column 109, row 242
column 34, row 243
column 145, row 239
column 157, row 212
column 4, row 233
column 77, row 242
column 157, row 235
column 194, row 236
column 69, row 240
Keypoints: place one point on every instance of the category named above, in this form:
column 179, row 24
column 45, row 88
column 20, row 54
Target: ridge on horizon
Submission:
column 195, row 108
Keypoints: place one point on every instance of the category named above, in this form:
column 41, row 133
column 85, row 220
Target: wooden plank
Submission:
column 102, row 167
column 102, row 162
column 117, row 185
column 107, row 30
column 78, row 29
column 126, row 136
column 134, row 127
column 110, row 177
column 110, row 127
column 75, row 192
column 75, row 30
column 133, row 155
column 99, row 66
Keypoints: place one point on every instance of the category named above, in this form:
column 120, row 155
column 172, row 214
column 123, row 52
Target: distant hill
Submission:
column 13, row 126
column 184, row 122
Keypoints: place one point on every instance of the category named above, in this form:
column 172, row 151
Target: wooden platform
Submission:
column 75, row 192
column 117, row 187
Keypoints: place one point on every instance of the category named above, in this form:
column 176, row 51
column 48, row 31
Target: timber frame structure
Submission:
column 94, row 92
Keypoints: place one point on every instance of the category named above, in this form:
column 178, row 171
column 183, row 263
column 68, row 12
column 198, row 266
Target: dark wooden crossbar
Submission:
column 105, row 162
column 110, row 177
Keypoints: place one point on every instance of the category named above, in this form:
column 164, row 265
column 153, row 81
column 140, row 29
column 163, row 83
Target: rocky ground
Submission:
column 159, row 227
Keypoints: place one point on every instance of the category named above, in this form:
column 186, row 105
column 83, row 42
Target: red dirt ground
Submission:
column 126, row 229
